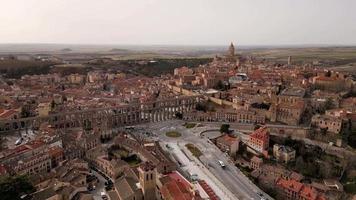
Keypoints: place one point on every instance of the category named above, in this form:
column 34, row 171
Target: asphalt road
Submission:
column 231, row 177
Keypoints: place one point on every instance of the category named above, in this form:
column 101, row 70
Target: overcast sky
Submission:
column 179, row 22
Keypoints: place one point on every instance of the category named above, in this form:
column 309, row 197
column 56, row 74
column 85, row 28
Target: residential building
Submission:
column 259, row 141
column 328, row 123
column 228, row 143
column 283, row 153
column 294, row 190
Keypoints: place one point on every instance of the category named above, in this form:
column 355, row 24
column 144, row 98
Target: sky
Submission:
column 179, row 22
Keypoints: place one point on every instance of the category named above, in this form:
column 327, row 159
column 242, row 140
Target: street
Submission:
column 230, row 177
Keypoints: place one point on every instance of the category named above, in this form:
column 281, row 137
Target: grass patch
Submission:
column 190, row 125
column 173, row 134
column 194, row 150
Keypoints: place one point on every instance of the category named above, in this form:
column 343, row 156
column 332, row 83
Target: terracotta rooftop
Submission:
column 7, row 113
column 261, row 133
column 228, row 139
column 177, row 188
column 290, row 184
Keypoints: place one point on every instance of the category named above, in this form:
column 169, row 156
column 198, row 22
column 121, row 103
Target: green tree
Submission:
column 224, row 128
column 13, row 187
column 219, row 85
column 179, row 115
column 53, row 104
column 201, row 107
column 352, row 139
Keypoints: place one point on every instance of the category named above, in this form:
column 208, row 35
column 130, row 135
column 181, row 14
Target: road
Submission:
column 100, row 187
column 234, row 180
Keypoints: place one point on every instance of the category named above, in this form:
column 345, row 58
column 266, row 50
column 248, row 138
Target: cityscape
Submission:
column 171, row 119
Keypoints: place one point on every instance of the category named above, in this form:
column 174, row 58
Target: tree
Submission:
column 224, row 128
column 179, row 115
column 24, row 112
column 352, row 139
column 219, row 85
column 201, row 107
column 329, row 104
column 13, row 187
column 87, row 126
column 53, row 104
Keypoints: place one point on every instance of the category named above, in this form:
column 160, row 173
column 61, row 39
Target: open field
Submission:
column 328, row 55
column 166, row 58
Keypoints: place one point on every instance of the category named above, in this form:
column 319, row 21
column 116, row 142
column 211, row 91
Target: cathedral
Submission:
column 231, row 56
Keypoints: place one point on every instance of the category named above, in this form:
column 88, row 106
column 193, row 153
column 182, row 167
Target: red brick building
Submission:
column 259, row 140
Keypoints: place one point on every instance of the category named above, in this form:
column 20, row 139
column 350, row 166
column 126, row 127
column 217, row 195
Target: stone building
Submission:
column 328, row 123
column 283, row 153
column 229, row 144
column 256, row 163
column 148, row 175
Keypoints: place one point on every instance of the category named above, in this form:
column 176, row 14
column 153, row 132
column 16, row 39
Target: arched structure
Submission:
column 112, row 116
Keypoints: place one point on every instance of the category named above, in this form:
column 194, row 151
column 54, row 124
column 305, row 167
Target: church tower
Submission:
column 231, row 52
column 147, row 174
column 289, row 60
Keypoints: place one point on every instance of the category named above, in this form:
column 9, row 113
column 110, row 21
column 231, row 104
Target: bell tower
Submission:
column 231, row 52
column 147, row 174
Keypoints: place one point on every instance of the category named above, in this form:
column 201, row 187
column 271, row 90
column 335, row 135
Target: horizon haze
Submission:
column 190, row 23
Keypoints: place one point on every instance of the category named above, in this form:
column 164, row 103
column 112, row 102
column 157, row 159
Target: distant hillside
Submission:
column 116, row 50
column 66, row 50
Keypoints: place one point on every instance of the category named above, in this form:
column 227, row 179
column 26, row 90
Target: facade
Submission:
column 329, row 123
column 112, row 168
column 256, row 163
column 283, row 153
column 40, row 163
column 229, row 144
column 240, row 116
column 259, row 141
column 148, row 176
column 294, row 190
column 44, row 109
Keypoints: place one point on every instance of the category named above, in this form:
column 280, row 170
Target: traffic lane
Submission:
column 221, row 175
column 229, row 179
column 233, row 174
column 211, row 155
column 238, row 177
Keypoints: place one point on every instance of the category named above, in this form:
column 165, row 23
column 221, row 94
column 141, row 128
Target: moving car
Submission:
column 221, row 163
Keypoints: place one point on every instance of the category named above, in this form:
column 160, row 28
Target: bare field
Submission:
column 336, row 56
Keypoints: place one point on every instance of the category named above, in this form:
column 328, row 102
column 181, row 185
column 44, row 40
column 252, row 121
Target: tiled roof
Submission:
column 261, row 133
column 290, row 184
column 176, row 188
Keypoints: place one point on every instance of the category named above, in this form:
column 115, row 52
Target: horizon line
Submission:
column 182, row 45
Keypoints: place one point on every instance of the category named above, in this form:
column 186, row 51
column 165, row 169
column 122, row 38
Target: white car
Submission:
column 221, row 163
column 19, row 141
